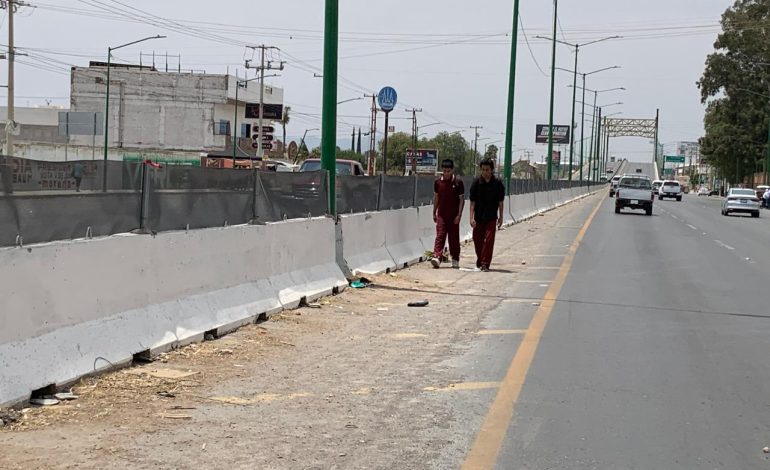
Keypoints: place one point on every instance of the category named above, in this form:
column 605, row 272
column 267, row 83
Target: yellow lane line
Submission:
column 483, row 454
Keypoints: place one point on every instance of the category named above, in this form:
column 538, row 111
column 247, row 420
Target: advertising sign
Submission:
column 561, row 134
column 426, row 159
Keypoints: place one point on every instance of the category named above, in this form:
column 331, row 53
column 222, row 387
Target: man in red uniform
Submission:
column 448, row 203
column 487, row 197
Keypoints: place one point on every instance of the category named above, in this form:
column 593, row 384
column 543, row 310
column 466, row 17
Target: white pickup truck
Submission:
column 634, row 192
column 670, row 189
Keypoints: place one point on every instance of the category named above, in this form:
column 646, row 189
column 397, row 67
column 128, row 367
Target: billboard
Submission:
column 273, row 112
column 561, row 134
column 427, row 160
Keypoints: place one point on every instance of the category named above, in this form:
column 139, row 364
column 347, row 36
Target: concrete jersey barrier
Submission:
column 363, row 243
column 80, row 307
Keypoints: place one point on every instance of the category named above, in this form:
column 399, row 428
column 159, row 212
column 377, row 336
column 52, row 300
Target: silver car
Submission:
column 741, row 200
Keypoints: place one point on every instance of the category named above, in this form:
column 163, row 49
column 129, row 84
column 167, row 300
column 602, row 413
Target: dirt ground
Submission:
column 355, row 380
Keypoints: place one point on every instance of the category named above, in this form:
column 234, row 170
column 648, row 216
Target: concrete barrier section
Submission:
column 402, row 237
column 426, row 227
column 74, row 308
column 363, row 243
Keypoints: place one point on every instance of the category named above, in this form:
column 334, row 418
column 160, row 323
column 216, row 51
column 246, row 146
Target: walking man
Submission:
column 448, row 203
column 487, row 201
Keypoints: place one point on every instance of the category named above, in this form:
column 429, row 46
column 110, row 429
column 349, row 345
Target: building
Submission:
column 164, row 116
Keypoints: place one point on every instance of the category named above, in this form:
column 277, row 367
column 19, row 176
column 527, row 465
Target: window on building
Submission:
column 245, row 130
column 223, row 127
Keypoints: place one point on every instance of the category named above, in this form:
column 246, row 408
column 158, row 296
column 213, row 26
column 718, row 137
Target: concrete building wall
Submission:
column 152, row 110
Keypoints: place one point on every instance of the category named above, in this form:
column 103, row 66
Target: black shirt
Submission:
column 487, row 196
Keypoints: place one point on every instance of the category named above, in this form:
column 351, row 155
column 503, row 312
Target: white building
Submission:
column 167, row 111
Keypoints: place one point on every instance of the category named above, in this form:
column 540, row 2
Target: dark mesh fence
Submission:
column 40, row 201
column 357, row 193
column 397, row 192
column 184, row 196
column 425, row 190
column 291, row 195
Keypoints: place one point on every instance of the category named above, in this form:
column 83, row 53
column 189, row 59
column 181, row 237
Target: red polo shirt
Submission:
column 449, row 191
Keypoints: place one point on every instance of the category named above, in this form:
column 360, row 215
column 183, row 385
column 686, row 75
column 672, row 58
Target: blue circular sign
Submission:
column 387, row 99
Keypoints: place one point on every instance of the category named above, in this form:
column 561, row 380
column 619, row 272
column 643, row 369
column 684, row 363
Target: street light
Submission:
column 583, row 112
column 577, row 47
column 351, row 99
column 107, row 101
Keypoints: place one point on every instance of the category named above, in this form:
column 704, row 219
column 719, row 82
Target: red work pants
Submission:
column 445, row 227
column 484, row 241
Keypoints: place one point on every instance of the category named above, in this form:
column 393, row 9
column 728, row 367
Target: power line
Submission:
column 524, row 32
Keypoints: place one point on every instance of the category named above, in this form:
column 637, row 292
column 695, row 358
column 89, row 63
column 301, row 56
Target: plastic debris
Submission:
column 358, row 284
column 65, row 396
column 418, row 303
column 44, row 401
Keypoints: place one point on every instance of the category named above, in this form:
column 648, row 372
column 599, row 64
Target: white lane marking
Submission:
column 723, row 245
column 692, row 227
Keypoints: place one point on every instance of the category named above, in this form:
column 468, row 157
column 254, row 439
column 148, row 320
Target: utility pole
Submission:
column 10, row 124
column 414, row 137
column 553, row 78
column 372, row 137
column 475, row 148
column 508, row 169
column 261, row 69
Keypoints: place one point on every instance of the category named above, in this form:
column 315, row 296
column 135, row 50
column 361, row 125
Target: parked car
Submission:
column 634, row 192
column 741, row 200
column 656, row 186
column 670, row 189
column 311, row 186
column 760, row 190
column 614, row 184
column 703, row 191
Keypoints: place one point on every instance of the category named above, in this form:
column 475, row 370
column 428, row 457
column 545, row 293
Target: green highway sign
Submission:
column 675, row 158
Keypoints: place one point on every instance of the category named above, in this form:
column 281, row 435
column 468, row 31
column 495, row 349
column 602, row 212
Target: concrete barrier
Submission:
column 402, row 237
column 363, row 243
column 426, row 228
column 79, row 307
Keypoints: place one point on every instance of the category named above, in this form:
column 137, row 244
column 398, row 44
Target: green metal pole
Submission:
column 553, row 84
column 329, row 124
column 598, row 143
column 572, row 123
column 508, row 171
column 582, row 129
column 235, row 121
column 106, row 121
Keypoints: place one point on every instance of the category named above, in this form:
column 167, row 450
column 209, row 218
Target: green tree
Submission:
column 398, row 143
column 285, row 118
column 491, row 152
column 735, row 86
column 454, row 146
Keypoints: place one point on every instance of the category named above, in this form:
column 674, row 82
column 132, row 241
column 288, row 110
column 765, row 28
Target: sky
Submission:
column 449, row 58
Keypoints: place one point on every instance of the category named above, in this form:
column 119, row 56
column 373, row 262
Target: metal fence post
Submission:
column 144, row 207
column 380, row 191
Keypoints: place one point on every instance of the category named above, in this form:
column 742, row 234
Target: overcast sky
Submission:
column 448, row 57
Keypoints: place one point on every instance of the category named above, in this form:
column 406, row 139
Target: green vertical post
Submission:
column 329, row 113
column 508, row 171
column 106, row 120
column 553, row 84
column 235, row 120
column 572, row 123
column 598, row 143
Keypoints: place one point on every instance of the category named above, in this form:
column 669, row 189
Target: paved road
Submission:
column 656, row 353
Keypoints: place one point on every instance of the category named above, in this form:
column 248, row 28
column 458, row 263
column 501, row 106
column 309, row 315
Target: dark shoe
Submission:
column 455, row 264
column 478, row 263
column 485, row 268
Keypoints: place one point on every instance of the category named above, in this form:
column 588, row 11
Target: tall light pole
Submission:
column 596, row 92
column 329, row 111
column 553, row 83
column 107, row 101
column 511, row 95
column 301, row 142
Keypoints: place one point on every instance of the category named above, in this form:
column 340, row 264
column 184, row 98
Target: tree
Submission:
column 491, row 152
column 735, row 86
column 455, row 147
column 398, row 143
column 285, row 118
